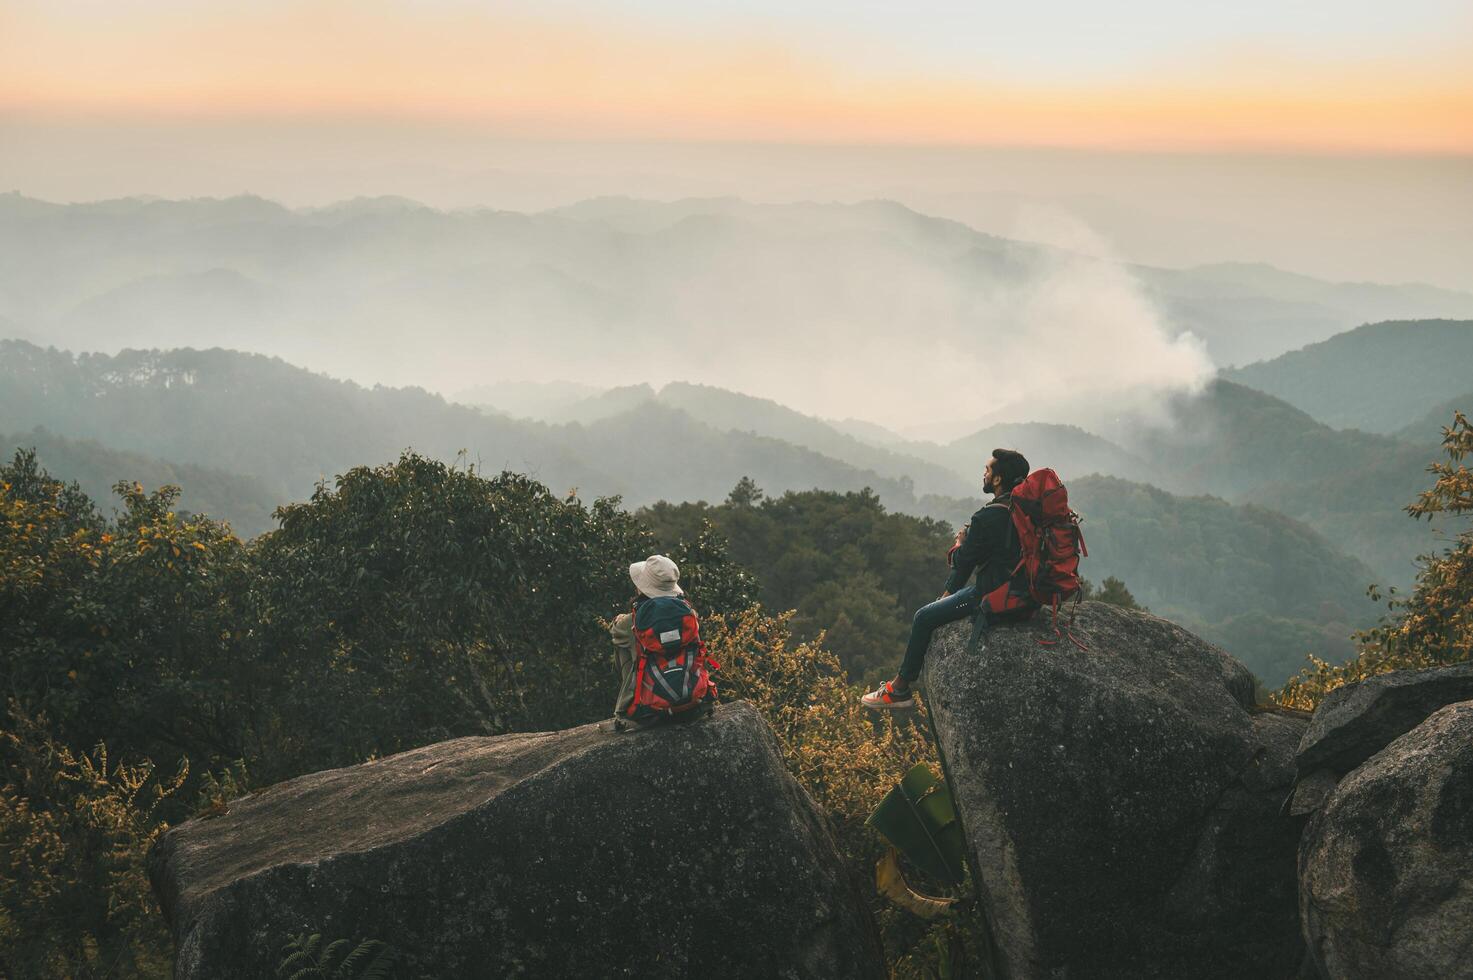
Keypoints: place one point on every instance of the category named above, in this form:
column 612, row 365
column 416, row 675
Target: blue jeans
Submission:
column 961, row 604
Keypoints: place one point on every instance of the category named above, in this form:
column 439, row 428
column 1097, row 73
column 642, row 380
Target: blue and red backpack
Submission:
column 672, row 671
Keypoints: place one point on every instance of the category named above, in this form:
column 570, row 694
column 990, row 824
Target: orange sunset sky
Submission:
column 1338, row 77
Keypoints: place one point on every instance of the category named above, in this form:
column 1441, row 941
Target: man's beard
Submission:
column 987, row 487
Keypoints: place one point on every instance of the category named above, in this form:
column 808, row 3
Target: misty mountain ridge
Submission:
column 871, row 432
column 1378, row 377
column 543, row 400
column 1230, row 441
column 946, row 469
column 817, row 292
column 1263, row 277
column 291, row 428
column 1070, row 450
column 1427, row 430
column 282, row 429
column 238, row 498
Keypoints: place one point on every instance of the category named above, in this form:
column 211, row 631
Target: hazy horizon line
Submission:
column 308, row 209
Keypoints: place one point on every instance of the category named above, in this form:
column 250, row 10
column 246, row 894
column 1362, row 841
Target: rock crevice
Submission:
column 1386, row 864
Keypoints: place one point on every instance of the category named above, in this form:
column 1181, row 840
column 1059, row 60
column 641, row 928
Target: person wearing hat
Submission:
column 654, row 577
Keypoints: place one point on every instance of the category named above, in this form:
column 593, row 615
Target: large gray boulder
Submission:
column 679, row 851
column 1386, row 868
column 1356, row 721
column 1121, row 803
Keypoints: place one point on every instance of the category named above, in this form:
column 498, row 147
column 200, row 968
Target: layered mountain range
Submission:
column 1220, row 514
column 804, row 301
column 1203, row 496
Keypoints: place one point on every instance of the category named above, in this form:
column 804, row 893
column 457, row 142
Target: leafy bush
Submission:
column 841, row 752
column 74, row 830
column 844, row 755
column 415, row 601
column 125, row 630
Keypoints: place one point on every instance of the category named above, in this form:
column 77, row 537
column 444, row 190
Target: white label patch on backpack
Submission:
column 670, row 636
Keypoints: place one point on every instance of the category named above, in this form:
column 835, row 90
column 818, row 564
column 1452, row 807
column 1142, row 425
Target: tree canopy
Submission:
column 848, row 567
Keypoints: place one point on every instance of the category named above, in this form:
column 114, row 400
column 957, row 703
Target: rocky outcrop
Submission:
column 682, row 851
column 1386, row 868
column 1121, row 803
column 1358, row 720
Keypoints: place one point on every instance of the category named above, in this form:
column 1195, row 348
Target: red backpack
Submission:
column 672, row 671
column 1050, row 545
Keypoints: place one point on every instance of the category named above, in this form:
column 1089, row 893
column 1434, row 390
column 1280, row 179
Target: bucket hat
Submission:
column 656, row 576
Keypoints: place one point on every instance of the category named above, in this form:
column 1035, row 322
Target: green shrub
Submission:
column 74, row 829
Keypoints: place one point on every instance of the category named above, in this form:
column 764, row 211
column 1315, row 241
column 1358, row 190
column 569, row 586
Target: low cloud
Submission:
column 1086, row 337
column 869, row 311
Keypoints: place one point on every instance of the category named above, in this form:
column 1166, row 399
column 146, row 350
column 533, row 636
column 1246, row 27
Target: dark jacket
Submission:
column 990, row 548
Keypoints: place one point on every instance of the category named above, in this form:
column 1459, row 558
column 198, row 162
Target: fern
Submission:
column 369, row 960
column 295, row 961
column 378, row 968
column 333, row 952
column 369, row 957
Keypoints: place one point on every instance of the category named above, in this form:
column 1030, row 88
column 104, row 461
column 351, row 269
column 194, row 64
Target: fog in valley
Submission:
column 871, row 310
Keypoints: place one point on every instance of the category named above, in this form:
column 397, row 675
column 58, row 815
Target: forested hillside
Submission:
column 731, row 411
column 1379, row 377
column 737, row 412
column 843, row 563
column 1250, row 447
column 242, row 499
column 1228, row 440
column 1266, row 587
column 288, row 428
column 284, row 429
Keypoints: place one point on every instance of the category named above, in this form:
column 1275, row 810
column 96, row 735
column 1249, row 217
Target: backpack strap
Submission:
column 1068, row 630
column 979, row 627
column 1008, row 506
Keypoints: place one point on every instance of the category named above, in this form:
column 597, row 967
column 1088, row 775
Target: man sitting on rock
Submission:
column 988, row 545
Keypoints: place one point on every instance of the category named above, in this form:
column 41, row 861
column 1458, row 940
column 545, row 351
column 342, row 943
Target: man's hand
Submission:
column 955, row 544
column 942, row 596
